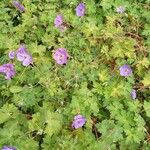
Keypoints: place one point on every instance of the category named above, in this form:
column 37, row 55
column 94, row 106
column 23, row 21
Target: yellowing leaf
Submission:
column 146, row 80
column 15, row 89
column 104, row 75
column 53, row 124
column 147, row 108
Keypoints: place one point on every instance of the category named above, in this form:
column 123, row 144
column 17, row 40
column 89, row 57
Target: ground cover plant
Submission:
column 74, row 75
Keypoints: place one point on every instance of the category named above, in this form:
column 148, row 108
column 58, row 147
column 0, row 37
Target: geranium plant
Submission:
column 74, row 75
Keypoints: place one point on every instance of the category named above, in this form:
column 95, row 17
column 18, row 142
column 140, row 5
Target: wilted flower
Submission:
column 24, row 56
column 8, row 70
column 8, row 148
column 11, row 54
column 62, row 28
column 125, row 70
column 61, row 56
column 133, row 94
column 78, row 121
column 19, row 6
column 120, row 9
column 80, row 10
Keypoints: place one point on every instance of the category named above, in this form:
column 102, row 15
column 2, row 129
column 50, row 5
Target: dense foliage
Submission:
column 90, row 65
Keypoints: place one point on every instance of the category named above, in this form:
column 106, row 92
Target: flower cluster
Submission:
column 78, row 121
column 79, row 72
column 60, row 55
column 126, row 71
column 22, row 55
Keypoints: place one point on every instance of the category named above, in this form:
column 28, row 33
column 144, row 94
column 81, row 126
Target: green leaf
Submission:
column 146, row 80
column 147, row 108
column 107, row 4
column 53, row 123
column 110, row 132
column 6, row 112
column 15, row 89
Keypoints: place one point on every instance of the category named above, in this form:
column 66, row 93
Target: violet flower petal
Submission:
column 133, row 94
column 78, row 121
column 58, row 20
column 8, row 148
column 27, row 61
column 120, row 9
column 24, row 56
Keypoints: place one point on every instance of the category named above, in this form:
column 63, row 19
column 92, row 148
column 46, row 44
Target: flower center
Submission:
column 78, row 122
column 126, row 70
column 7, row 69
column 61, row 57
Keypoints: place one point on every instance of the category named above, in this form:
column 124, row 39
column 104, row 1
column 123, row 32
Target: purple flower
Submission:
column 80, row 10
column 11, row 54
column 19, row 6
column 24, row 56
column 61, row 56
column 8, row 70
column 125, row 70
column 8, row 148
column 59, row 23
column 120, row 9
column 133, row 94
column 78, row 121
column 58, row 20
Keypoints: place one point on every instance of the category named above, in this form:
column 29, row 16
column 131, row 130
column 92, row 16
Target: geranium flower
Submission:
column 24, row 56
column 120, row 9
column 58, row 20
column 61, row 56
column 8, row 148
column 59, row 23
column 8, row 70
column 125, row 70
column 80, row 10
column 78, row 121
column 19, row 6
column 133, row 94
